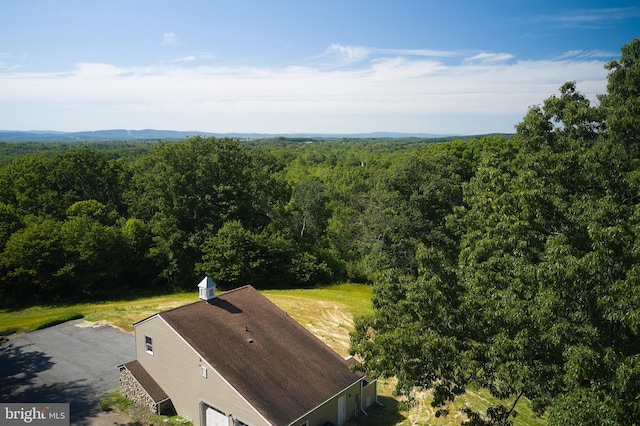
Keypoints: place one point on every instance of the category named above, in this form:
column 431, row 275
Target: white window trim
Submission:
column 148, row 344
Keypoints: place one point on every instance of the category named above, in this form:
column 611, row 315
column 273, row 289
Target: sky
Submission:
column 255, row 66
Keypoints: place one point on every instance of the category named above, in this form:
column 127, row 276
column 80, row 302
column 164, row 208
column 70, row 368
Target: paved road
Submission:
column 65, row 363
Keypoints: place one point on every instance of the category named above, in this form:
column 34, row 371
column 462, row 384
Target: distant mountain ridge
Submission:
column 151, row 134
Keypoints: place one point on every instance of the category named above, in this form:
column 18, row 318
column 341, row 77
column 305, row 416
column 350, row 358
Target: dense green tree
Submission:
column 9, row 223
column 236, row 256
column 188, row 190
column 410, row 202
column 140, row 272
column 621, row 103
column 94, row 258
column 43, row 186
column 92, row 209
column 87, row 174
column 31, row 263
column 543, row 299
column 25, row 185
column 310, row 202
column 418, row 332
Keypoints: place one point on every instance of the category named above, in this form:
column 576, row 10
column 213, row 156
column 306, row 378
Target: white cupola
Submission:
column 207, row 288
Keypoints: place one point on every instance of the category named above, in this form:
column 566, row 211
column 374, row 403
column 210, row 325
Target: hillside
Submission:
column 154, row 134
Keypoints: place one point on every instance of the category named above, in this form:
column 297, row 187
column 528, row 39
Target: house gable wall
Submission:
column 177, row 368
column 369, row 394
column 329, row 410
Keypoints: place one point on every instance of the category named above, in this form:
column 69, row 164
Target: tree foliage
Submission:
column 542, row 298
column 187, row 191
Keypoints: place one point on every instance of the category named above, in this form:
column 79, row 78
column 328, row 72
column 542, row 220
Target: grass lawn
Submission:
column 122, row 313
column 327, row 312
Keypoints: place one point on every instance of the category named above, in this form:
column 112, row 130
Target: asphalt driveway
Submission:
column 69, row 362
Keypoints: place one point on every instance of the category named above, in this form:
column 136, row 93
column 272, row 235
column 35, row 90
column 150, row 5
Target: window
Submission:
column 148, row 343
column 203, row 371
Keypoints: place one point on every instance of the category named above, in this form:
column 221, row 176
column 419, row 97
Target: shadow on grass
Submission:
column 386, row 414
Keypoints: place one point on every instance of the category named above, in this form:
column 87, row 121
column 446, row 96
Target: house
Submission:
column 237, row 359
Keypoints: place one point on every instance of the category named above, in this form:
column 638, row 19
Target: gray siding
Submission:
column 370, row 394
column 177, row 369
column 329, row 410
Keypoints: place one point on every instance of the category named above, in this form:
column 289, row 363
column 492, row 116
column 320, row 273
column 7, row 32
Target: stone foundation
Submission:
column 132, row 389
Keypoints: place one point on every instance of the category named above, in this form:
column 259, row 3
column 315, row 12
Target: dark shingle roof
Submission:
column 146, row 381
column 282, row 369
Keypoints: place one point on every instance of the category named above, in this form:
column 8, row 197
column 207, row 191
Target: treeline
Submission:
column 100, row 220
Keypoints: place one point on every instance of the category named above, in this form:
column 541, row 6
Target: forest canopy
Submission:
column 103, row 220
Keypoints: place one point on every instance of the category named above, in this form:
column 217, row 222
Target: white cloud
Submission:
column 5, row 62
column 488, row 58
column 387, row 93
column 8, row 67
column 189, row 58
column 418, row 52
column 169, row 38
column 587, row 54
column 590, row 18
column 348, row 54
column 344, row 55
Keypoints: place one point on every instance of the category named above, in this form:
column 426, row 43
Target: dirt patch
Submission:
column 91, row 324
column 332, row 326
column 98, row 324
column 331, row 322
column 112, row 418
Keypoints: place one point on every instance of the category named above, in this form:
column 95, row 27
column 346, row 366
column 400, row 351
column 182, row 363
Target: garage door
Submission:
column 215, row 417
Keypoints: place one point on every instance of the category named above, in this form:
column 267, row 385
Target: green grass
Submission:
column 121, row 313
column 355, row 297
column 115, row 400
column 57, row 320
column 327, row 312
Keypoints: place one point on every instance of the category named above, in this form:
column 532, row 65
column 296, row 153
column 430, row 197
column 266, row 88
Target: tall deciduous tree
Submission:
column 31, row 263
column 236, row 256
column 544, row 300
column 188, row 190
column 42, row 186
column 310, row 201
column 409, row 205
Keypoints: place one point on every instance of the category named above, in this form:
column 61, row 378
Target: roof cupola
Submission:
column 207, row 289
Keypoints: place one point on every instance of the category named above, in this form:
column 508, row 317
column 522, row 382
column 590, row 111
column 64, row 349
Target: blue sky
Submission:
column 448, row 67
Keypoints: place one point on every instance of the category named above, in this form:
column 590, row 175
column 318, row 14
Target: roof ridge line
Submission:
column 200, row 300
column 233, row 290
column 178, row 307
